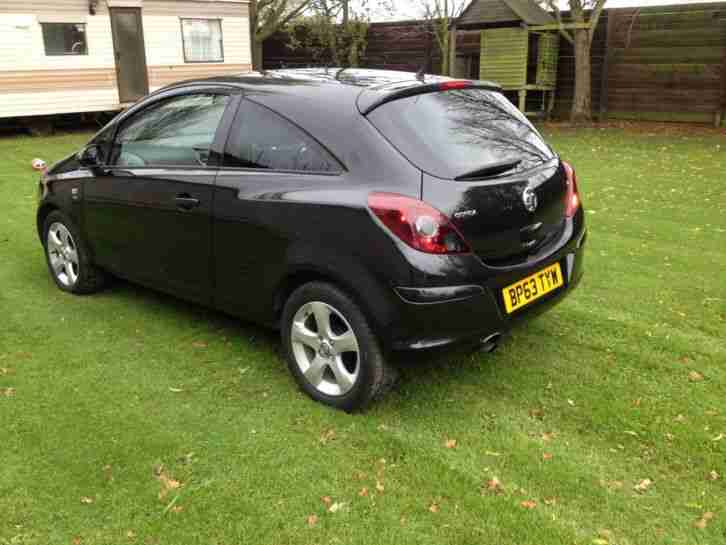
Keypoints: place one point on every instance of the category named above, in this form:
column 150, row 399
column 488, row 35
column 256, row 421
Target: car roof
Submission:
column 335, row 87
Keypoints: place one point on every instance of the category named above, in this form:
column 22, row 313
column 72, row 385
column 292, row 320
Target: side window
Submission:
column 103, row 140
column 261, row 139
column 174, row 132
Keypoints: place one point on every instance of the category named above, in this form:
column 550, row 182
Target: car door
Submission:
column 269, row 168
column 147, row 213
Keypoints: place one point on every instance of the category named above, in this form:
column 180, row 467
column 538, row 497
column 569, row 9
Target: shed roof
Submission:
column 502, row 11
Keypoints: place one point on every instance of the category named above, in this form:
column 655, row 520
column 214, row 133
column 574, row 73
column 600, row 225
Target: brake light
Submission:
column 572, row 196
column 417, row 223
column 455, row 84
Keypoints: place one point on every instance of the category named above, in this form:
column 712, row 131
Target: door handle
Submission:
column 186, row 201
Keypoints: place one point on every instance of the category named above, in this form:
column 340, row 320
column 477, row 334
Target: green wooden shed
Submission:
column 519, row 49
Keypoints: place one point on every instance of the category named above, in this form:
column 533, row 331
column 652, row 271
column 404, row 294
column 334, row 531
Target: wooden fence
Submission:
column 664, row 63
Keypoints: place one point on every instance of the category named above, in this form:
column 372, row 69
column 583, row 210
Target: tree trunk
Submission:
column 258, row 59
column 581, row 107
column 254, row 44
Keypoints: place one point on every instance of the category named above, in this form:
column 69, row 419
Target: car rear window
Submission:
column 452, row 133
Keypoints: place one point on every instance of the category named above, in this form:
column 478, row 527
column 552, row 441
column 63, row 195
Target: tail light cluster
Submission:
column 572, row 196
column 417, row 223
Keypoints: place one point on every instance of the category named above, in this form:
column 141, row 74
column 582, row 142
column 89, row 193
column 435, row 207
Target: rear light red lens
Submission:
column 417, row 224
column 572, row 196
column 456, row 84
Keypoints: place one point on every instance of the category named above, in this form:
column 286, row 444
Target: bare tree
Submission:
column 440, row 14
column 266, row 18
column 585, row 15
column 334, row 31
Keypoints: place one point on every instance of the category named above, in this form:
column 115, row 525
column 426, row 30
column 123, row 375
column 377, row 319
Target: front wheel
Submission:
column 68, row 258
column 331, row 350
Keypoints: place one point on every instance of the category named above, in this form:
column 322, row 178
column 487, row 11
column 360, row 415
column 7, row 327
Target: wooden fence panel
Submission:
column 659, row 62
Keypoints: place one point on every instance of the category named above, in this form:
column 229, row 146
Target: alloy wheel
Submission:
column 63, row 254
column 325, row 348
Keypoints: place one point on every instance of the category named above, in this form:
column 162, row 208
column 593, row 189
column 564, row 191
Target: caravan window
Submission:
column 65, row 38
column 202, row 40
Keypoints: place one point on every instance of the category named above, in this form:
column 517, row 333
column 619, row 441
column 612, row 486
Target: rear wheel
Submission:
column 331, row 350
column 67, row 256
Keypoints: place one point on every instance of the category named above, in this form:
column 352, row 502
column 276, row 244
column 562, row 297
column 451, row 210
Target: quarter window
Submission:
column 64, row 38
column 261, row 139
column 174, row 132
column 202, row 40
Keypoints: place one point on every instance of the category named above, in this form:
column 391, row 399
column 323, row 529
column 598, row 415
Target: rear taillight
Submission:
column 454, row 84
column 572, row 196
column 417, row 224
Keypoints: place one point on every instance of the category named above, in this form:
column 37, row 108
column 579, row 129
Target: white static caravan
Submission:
column 76, row 56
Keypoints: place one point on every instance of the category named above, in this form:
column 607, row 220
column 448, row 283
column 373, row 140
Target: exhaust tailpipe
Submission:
column 490, row 343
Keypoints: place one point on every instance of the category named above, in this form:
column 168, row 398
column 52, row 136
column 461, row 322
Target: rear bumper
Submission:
column 429, row 317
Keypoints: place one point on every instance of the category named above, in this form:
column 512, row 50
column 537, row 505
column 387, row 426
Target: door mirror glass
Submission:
column 90, row 156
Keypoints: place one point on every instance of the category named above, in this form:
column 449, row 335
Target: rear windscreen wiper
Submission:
column 488, row 171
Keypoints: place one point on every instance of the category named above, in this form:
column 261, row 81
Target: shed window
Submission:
column 202, row 40
column 65, row 38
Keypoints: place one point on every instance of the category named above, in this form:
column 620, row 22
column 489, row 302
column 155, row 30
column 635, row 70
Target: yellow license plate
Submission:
column 533, row 287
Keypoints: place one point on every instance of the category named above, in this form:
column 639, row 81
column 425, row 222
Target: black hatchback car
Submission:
column 360, row 212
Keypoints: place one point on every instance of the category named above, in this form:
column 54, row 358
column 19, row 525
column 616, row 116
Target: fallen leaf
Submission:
column 7, row 392
column 379, row 486
column 570, row 403
column 327, row 500
column 546, row 456
column 337, row 506
column 86, row 500
column 704, row 520
column 643, row 485
column 494, row 486
column 175, row 390
column 680, row 418
column 167, row 483
column 550, row 501
column 548, row 436
column 713, row 475
column 131, row 534
column 327, row 436
column 695, row 376
column 312, row 520
column 636, row 403
column 450, row 443
column 434, row 507
column 363, row 492
column 177, row 509
column 719, row 437
column 77, row 540
column 528, row 504
column 537, row 413
column 199, row 344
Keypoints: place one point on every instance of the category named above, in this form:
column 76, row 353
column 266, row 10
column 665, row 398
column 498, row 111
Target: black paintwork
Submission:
column 241, row 239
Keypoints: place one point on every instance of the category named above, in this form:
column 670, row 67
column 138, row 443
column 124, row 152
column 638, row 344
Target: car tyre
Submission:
column 68, row 258
column 331, row 349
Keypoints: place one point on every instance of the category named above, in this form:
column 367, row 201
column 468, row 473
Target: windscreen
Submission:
column 459, row 133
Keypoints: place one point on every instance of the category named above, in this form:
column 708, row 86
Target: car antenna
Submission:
column 421, row 74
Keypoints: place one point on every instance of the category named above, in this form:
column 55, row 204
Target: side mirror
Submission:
column 90, row 156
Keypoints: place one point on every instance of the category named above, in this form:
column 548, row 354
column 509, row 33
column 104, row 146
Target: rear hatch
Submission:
column 484, row 165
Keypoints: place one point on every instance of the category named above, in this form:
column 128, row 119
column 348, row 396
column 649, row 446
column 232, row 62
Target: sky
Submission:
column 410, row 9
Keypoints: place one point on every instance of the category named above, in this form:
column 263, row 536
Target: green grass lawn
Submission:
column 131, row 417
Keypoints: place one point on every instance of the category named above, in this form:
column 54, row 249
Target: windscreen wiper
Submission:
column 488, row 171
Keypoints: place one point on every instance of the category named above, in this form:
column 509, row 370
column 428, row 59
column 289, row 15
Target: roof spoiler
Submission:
column 373, row 97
